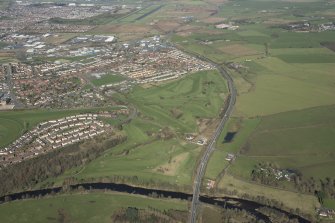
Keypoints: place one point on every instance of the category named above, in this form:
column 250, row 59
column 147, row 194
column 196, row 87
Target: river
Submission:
column 227, row 202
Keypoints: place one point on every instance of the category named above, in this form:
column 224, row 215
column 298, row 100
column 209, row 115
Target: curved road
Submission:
column 227, row 111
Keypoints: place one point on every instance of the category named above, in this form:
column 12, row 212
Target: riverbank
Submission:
column 226, row 202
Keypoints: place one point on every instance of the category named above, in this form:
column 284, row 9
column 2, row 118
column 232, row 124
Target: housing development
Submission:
column 199, row 111
column 54, row 84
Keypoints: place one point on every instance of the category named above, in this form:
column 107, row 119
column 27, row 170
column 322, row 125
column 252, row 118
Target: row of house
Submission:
column 54, row 134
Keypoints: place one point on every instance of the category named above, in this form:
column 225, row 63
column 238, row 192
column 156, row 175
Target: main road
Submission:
column 227, row 111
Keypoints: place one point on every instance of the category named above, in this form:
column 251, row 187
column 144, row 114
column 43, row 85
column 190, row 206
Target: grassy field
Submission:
column 199, row 48
column 200, row 95
column 158, row 161
column 296, row 74
column 144, row 155
column 300, row 140
column 306, row 203
column 297, row 82
column 285, row 103
column 92, row 207
column 107, row 79
column 329, row 203
column 210, row 214
column 280, row 86
column 243, row 129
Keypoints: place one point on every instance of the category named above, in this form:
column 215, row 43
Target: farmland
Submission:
column 92, row 207
column 285, row 81
column 243, row 129
column 299, row 140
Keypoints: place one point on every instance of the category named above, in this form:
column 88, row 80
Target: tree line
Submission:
column 25, row 175
column 322, row 188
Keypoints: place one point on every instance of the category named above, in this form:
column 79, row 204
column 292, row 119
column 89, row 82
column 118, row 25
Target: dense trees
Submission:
column 25, row 175
column 267, row 173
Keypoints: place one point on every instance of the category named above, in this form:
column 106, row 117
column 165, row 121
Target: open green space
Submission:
column 291, row 200
column 308, row 58
column 107, row 79
column 301, row 140
column 259, row 10
column 329, row 203
column 178, row 104
column 301, row 40
column 211, row 214
column 280, row 86
column 288, row 79
column 155, row 150
column 159, row 161
column 285, row 103
column 92, row 207
column 243, row 129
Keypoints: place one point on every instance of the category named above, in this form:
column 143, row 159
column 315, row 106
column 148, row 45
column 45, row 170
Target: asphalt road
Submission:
column 9, row 81
column 227, row 111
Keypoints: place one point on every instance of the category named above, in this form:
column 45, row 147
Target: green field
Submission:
column 198, row 48
column 329, row 203
column 291, row 200
column 211, row 214
column 301, row 140
column 200, row 95
column 285, row 103
column 159, row 161
column 107, row 79
column 243, row 129
column 92, row 207
column 280, row 86
column 145, row 155
column 290, row 78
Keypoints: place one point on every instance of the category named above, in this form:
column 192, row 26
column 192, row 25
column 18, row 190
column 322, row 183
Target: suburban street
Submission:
column 9, row 82
column 227, row 111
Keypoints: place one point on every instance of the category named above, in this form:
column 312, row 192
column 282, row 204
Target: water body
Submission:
column 229, row 137
column 226, row 202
